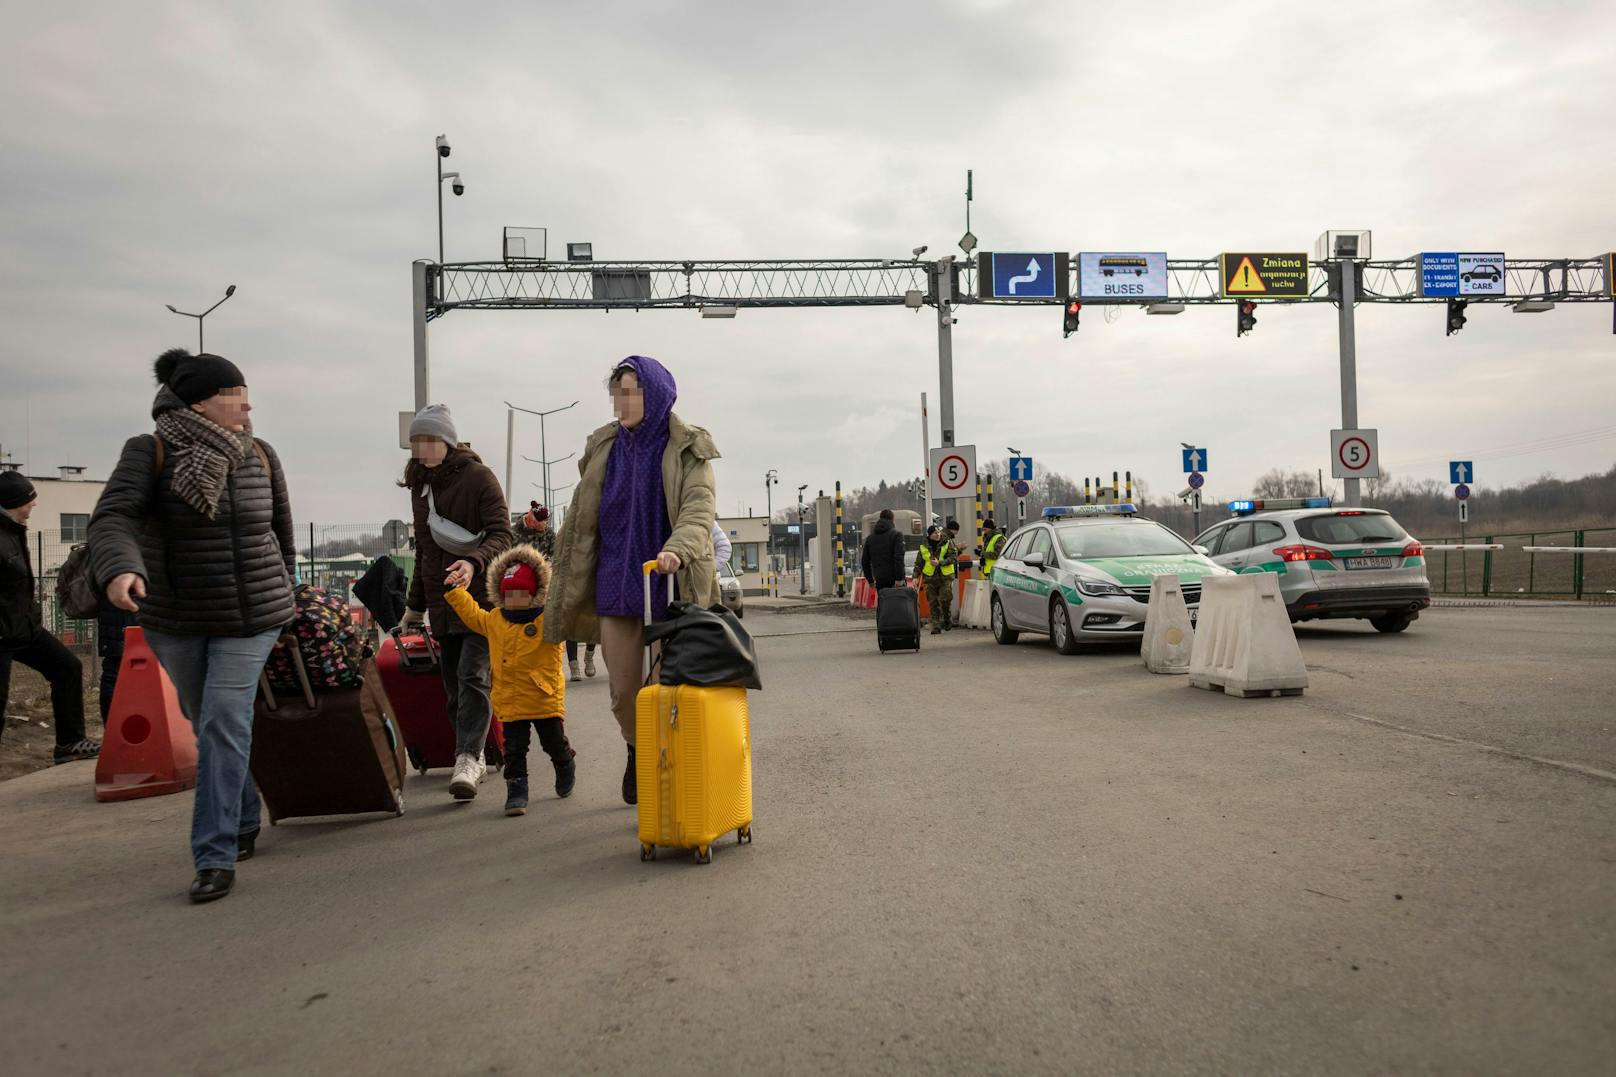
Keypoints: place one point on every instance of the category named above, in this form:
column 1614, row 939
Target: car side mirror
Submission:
column 1034, row 560
column 1204, row 551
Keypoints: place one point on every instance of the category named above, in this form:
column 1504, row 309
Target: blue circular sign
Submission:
column 1197, row 480
column 1461, row 491
column 1022, row 487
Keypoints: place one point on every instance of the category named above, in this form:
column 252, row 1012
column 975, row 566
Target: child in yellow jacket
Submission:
column 529, row 690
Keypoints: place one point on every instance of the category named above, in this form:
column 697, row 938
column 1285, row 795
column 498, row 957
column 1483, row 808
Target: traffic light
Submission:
column 1073, row 310
column 1245, row 317
column 1456, row 315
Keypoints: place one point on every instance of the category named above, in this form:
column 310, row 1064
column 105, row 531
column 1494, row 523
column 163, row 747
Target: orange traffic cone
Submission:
column 149, row 748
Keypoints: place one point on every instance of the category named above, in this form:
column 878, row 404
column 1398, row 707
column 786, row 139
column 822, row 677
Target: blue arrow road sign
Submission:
column 1462, row 492
column 1197, row 480
column 1024, row 276
column 1021, row 468
column 1194, row 460
column 1461, row 471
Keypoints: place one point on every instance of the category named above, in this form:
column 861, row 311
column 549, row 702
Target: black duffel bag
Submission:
column 705, row 647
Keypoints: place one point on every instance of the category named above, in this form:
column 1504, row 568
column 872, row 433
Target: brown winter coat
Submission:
column 687, row 486
column 466, row 492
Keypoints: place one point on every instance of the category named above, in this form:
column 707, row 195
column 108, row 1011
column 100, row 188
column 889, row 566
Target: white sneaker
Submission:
column 572, row 671
column 468, row 772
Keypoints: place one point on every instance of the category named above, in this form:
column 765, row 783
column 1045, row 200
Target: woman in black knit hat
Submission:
column 22, row 633
column 194, row 532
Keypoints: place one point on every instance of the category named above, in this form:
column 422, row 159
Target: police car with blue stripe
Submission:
column 1082, row 574
column 1331, row 562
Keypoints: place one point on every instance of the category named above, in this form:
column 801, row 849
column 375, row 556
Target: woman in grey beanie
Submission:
column 461, row 525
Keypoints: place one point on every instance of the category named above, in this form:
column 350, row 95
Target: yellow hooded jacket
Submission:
column 528, row 682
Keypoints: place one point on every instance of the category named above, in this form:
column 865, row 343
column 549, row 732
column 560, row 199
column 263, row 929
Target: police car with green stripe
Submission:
column 1331, row 562
column 1082, row 574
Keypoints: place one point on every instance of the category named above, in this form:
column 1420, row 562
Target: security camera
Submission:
column 443, row 146
column 459, row 187
column 1186, row 492
column 918, row 251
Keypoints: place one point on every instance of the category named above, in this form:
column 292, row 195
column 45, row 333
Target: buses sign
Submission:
column 1122, row 275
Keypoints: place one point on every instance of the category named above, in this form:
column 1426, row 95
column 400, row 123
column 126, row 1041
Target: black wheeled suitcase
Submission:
column 897, row 619
column 332, row 752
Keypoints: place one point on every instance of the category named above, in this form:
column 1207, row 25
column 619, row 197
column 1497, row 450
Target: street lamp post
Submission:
column 802, row 542
column 228, row 292
column 510, row 432
column 771, row 479
column 550, row 491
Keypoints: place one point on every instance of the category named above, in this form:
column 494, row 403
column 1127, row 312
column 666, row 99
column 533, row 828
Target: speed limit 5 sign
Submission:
column 1355, row 454
column 953, row 472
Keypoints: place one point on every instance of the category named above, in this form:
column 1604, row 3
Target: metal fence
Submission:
column 330, row 556
column 1514, row 571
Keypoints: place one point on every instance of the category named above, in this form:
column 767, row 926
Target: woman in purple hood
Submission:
column 645, row 492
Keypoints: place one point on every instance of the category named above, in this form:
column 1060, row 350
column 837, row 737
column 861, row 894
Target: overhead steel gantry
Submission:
column 870, row 282
column 943, row 284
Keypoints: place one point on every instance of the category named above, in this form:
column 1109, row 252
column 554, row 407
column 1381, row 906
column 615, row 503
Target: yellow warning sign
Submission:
column 1245, row 279
column 1282, row 275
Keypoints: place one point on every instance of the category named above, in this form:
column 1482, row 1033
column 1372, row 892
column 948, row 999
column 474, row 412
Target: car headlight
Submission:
column 1098, row 587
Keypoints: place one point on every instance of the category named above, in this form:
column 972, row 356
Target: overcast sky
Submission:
column 153, row 153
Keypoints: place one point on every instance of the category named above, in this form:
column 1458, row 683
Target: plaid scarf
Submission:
column 204, row 454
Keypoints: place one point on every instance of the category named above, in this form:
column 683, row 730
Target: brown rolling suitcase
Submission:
column 334, row 752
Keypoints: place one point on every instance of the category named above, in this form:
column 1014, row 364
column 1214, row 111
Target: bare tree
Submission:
column 1281, row 483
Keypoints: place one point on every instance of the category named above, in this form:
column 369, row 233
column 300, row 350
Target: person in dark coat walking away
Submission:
column 194, row 532
column 22, row 629
column 882, row 559
column 461, row 526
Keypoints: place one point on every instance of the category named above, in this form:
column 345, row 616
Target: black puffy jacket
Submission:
column 19, row 609
column 228, row 576
column 882, row 560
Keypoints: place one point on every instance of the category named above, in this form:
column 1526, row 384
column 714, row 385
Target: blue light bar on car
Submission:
column 1273, row 504
column 1062, row 512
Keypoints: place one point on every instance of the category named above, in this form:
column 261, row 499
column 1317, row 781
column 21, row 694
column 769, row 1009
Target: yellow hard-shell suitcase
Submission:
column 693, row 763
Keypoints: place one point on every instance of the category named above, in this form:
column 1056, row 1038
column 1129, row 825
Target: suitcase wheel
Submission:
column 743, row 836
column 704, row 854
column 647, row 852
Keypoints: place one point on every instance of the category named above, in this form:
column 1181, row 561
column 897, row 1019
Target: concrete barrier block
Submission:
column 1169, row 635
column 1244, row 644
column 974, row 608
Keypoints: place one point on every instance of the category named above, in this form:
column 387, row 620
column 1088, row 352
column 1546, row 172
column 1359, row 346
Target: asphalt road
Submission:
column 971, row 860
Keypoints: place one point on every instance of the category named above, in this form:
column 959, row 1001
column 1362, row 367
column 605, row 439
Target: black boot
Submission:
column 245, row 844
column 566, row 773
column 630, row 783
column 211, row 884
column 515, row 796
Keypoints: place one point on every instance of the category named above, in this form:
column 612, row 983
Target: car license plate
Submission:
column 1371, row 562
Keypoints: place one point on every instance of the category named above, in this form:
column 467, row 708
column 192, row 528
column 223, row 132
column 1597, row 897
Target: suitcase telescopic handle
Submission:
column 290, row 641
column 397, row 632
column 646, row 570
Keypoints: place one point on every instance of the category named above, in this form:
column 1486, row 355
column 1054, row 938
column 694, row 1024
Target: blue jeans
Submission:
column 216, row 678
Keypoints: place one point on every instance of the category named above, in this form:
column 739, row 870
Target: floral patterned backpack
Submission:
column 333, row 648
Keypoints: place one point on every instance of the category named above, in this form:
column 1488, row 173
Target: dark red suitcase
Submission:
column 409, row 670
column 331, row 752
